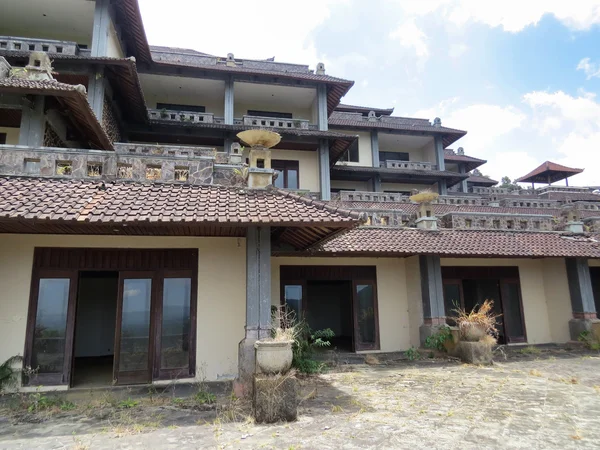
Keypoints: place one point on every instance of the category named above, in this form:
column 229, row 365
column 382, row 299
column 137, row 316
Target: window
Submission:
column 94, row 169
column 64, row 168
column 181, row 173
column 510, row 224
column 523, row 225
column 287, row 174
column 178, row 107
column 2, row 138
column 124, row 171
column 468, row 223
column 153, row 172
column 496, row 224
column 351, row 155
column 393, row 156
column 274, row 114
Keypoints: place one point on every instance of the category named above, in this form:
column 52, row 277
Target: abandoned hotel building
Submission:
column 142, row 240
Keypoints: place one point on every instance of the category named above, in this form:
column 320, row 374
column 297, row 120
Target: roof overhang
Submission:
column 356, row 173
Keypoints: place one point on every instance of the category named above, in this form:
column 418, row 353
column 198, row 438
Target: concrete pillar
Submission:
column 322, row 115
column 375, row 147
column 432, row 296
column 97, row 92
column 33, row 122
column 324, row 175
column 377, row 183
column 229, row 101
column 101, row 28
column 582, row 296
column 439, row 160
column 258, row 303
column 464, row 187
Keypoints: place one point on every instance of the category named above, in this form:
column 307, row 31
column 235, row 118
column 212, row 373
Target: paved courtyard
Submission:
column 530, row 401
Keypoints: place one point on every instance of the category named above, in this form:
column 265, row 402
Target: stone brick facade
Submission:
column 525, row 222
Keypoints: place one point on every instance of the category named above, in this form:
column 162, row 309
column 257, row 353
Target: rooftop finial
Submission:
column 230, row 59
column 320, row 69
column 460, row 151
column 437, row 122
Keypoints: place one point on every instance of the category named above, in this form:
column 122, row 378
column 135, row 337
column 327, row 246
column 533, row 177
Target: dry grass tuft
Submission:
column 372, row 360
column 480, row 316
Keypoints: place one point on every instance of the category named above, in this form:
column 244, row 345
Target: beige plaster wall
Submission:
column 12, row 135
column 114, row 46
column 221, row 291
column 212, row 103
column 544, row 291
column 392, row 296
column 355, row 185
column 308, row 164
column 415, row 304
column 365, row 155
column 594, row 262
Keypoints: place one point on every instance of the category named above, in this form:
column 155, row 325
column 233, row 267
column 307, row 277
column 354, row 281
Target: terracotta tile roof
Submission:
column 481, row 180
column 130, row 16
column 73, row 97
column 470, row 162
column 51, row 199
column 410, row 124
column 364, row 109
column 412, row 241
column 548, row 172
column 121, row 72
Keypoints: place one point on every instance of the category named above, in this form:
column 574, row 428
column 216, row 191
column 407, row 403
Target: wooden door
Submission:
column 512, row 311
column 134, row 335
column 366, row 323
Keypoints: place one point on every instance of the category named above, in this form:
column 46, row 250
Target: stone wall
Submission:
column 139, row 162
column 525, row 222
column 110, row 122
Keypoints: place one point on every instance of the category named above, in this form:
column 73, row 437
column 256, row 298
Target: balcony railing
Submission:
column 411, row 165
column 274, row 122
column 21, row 44
column 365, row 196
column 183, row 116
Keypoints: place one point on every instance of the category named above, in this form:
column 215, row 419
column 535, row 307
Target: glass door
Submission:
column 133, row 337
column 512, row 312
column 366, row 325
column 50, row 328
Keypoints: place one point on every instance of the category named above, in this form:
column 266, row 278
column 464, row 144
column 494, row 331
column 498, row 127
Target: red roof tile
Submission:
column 548, row 172
column 412, row 241
column 50, row 199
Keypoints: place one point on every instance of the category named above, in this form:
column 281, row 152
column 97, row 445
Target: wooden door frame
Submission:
column 64, row 377
column 130, row 376
column 516, row 281
column 156, row 320
column 357, row 345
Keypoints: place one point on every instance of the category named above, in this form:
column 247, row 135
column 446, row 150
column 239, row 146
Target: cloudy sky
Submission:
column 521, row 76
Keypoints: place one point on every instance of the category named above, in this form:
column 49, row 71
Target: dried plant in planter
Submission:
column 477, row 324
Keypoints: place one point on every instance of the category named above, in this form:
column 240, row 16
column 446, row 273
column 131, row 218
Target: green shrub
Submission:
column 129, row 403
column 590, row 341
column 436, row 341
column 205, row 398
column 8, row 374
column 412, row 354
column 307, row 341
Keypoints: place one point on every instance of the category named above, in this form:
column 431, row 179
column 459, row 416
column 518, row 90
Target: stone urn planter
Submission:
column 274, row 356
column 472, row 332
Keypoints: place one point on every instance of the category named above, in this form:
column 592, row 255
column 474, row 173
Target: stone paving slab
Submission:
column 529, row 403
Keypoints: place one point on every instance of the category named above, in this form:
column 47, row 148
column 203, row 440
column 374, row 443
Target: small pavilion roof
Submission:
column 481, row 180
column 548, row 172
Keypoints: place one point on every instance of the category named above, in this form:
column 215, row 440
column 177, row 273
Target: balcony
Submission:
column 410, row 165
column 365, row 196
column 183, row 116
column 274, row 122
column 20, row 44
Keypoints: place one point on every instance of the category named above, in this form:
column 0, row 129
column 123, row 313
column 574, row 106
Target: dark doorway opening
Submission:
column 466, row 287
column 95, row 321
column 329, row 305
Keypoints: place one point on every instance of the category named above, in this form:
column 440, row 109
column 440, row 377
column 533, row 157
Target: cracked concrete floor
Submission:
column 530, row 403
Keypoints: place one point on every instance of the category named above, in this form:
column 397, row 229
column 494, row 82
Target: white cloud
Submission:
column 412, row 37
column 591, row 70
column 456, row 50
column 511, row 15
column 253, row 30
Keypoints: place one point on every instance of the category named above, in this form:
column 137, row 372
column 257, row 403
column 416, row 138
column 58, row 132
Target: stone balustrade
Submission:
column 271, row 122
column 410, row 165
column 563, row 189
column 527, row 203
column 460, row 200
column 498, row 221
column 138, row 162
column 181, row 116
column 364, row 196
column 21, row 44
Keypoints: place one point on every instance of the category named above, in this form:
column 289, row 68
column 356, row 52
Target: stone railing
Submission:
column 527, row 203
column 565, row 189
column 411, row 165
column 498, row 221
column 181, row 116
column 460, row 200
column 257, row 121
column 364, row 196
column 491, row 190
column 21, row 44
column 139, row 162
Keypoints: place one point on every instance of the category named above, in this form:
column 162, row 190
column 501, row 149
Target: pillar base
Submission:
column 275, row 398
column 578, row 326
column 430, row 327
